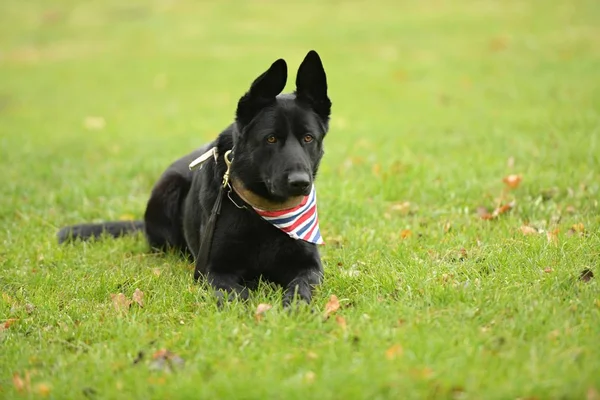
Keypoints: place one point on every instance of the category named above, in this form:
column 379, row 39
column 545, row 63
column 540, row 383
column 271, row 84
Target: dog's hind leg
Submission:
column 164, row 213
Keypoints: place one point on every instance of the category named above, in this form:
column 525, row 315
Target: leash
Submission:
column 207, row 237
column 298, row 218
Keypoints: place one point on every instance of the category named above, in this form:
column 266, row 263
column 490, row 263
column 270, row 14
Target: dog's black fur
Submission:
column 244, row 247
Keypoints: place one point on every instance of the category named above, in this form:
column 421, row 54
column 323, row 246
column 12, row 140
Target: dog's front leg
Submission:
column 301, row 287
column 224, row 283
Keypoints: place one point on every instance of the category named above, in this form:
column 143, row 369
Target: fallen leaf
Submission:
column 8, row 323
column 22, row 384
column 447, row 227
column 548, row 270
column 332, row 305
column 577, row 228
column 503, row 209
column 512, row 181
column 94, row 123
column 43, row 389
column 528, row 230
column 484, row 213
column 498, row 43
column 341, row 321
column 402, row 207
column 120, row 302
column 553, row 335
column 260, row 310
column 138, row 297
column 309, row 377
column 592, row 394
column 552, row 236
column 586, row 275
column 166, row 360
column 376, row 169
column 18, row 383
column 394, row 351
column 405, row 233
column 156, row 271
column 510, row 163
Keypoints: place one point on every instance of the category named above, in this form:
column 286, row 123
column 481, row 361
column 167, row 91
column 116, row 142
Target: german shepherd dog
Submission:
column 260, row 169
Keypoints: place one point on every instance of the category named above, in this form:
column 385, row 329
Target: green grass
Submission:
column 431, row 100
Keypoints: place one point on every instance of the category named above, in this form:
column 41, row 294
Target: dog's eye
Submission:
column 308, row 138
column 271, row 139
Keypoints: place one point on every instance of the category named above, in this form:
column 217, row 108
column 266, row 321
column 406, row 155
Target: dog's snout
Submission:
column 299, row 181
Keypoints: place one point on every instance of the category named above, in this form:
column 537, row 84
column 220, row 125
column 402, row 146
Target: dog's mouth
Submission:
column 283, row 192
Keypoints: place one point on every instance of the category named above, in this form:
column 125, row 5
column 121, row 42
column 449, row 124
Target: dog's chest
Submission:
column 259, row 248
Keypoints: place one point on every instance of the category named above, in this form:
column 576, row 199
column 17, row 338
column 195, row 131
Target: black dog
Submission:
column 257, row 173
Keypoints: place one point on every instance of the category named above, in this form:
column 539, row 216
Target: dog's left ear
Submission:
column 311, row 85
column 263, row 91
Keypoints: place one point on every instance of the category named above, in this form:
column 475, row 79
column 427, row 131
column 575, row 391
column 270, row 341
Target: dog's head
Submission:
column 278, row 138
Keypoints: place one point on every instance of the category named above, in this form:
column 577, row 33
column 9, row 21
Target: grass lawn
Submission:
column 434, row 103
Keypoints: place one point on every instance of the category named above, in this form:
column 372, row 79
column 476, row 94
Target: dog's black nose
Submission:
column 299, row 181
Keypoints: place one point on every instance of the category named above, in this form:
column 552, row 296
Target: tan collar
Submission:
column 261, row 203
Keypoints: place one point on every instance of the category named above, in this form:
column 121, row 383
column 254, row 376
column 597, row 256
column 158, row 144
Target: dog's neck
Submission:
column 260, row 202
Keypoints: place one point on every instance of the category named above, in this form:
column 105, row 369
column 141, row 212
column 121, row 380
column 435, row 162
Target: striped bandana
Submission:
column 300, row 222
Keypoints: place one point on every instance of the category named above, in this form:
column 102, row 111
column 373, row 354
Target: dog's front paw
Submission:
column 224, row 296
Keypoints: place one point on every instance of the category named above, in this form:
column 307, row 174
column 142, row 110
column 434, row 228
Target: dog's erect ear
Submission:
column 263, row 91
column 311, row 85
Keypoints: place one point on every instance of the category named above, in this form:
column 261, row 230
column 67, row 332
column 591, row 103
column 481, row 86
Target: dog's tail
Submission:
column 88, row 231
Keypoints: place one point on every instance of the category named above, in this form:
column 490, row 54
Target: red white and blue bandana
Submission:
column 300, row 222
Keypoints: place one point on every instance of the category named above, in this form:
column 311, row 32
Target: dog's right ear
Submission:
column 263, row 91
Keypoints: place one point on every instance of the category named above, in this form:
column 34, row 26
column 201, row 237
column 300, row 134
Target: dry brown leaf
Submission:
column 120, row 302
column 512, row 181
column 422, row 373
column 22, row 384
column 261, row 309
column 18, row 383
column 332, row 305
column 447, row 227
column 309, row 377
column 405, row 233
column 341, row 321
column 577, row 228
column 402, row 207
column 548, row 270
column 376, row 169
column 498, row 43
column 503, row 209
column 166, row 360
column 394, row 351
column 7, row 324
column 528, row 230
column 483, row 213
column 552, row 236
column 43, row 389
column 94, row 123
column 138, row 297
column 510, row 163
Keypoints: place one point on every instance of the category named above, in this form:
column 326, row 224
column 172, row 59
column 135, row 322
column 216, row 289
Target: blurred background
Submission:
column 431, row 98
